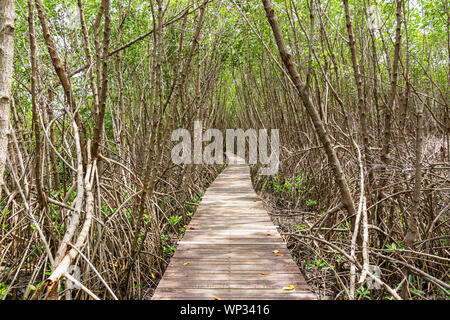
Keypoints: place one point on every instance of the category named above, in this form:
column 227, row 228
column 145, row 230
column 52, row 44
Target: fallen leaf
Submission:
column 153, row 276
column 280, row 255
column 276, row 251
column 185, row 264
column 266, row 274
column 270, row 234
column 217, row 298
column 289, row 288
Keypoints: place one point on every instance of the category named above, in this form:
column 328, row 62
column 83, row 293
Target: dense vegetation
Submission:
column 359, row 90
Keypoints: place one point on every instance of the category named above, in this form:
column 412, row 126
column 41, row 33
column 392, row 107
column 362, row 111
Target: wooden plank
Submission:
column 218, row 247
column 238, row 291
column 241, row 235
column 235, row 231
column 193, row 263
column 225, row 220
column 237, row 255
column 233, row 297
column 225, row 246
column 231, row 239
column 242, row 260
column 226, row 294
column 230, row 268
column 232, row 284
column 230, row 225
column 247, row 226
column 234, row 256
column 256, row 276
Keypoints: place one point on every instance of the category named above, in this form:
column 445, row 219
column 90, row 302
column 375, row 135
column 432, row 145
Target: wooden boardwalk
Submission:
column 232, row 250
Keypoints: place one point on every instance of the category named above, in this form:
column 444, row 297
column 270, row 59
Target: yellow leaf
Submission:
column 217, row 298
column 185, row 264
column 276, row 251
column 289, row 288
column 153, row 276
column 266, row 274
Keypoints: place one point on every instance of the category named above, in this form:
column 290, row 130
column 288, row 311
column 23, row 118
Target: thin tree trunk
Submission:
column 55, row 168
column 359, row 85
column 315, row 117
column 99, row 120
column 62, row 75
column 411, row 232
column 35, row 109
column 7, row 18
column 389, row 109
column 411, row 221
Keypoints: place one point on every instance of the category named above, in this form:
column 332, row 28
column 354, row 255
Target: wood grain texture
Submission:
column 232, row 250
